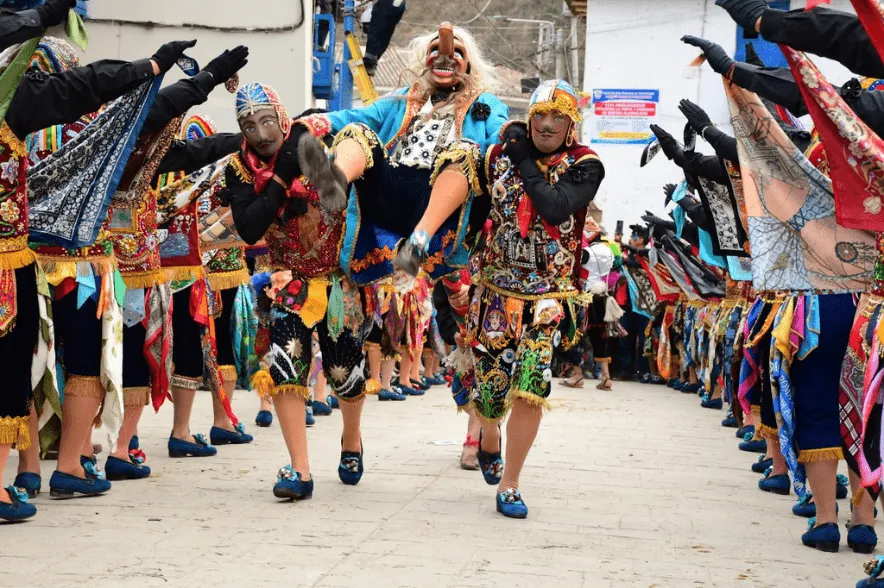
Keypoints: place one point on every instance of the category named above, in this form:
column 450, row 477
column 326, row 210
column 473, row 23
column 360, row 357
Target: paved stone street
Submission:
column 635, row 487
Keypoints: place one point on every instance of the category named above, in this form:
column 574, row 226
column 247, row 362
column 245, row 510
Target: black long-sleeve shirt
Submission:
column 189, row 156
column 448, row 327
column 178, row 98
column 18, row 27
column 253, row 213
column 778, row 86
column 574, row 190
column 725, row 146
column 704, row 166
column 827, row 33
column 43, row 99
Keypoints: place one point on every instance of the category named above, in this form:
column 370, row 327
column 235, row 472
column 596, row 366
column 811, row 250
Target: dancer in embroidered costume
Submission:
column 269, row 200
column 412, row 159
column 541, row 182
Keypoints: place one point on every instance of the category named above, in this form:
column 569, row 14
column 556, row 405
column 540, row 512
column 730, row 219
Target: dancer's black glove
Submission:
column 168, row 54
column 287, row 165
column 744, row 12
column 520, row 149
column 514, row 132
column 228, row 63
column 54, row 12
column 697, row 117
column 715, row 54
column 668, row 144
column 669, row 190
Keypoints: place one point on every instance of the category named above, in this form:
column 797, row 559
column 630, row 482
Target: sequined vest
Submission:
column 538, row 265
column 14, row 252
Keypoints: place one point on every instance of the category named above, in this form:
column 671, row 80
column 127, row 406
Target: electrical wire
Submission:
column 481, row 12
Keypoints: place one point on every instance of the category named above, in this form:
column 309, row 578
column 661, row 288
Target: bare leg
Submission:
column 449, row 192
column 319, row 386
column 78, row 412
column 864, row 512
column 821, row 476
column 350, row 159
column 290, row 411
column 29, row 459
column 469, row 455
column 266, row 404
column 387, row 366
column 521, row 430
column 221, row 420
column 131, row 416
column 4, row 455
column 352, row 414
column 373, row 352
column 779, row 462
column 405, row 368
column 182, row 398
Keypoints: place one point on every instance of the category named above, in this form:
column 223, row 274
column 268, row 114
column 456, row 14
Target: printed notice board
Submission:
column 623, row 117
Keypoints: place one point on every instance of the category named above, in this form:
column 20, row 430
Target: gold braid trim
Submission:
column 547, row 295
column 16, row 431
column 227, row 280
column 13, row 260
column 464, row 155
column 84, row 387
column 228, row 373
column 372, row 386
column 528, row 398
column 364, row 136
column 242, row 172
column 262, row 383
column 824, row 454
column 145, row 279
column 136, row 396
column 289, row 389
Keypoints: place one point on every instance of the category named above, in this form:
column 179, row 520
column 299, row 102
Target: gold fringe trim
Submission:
column 469, row 408
column 755, row 409
column 184, row 273
column 372, row 386
column 824, row 454
column 16, row 431
column 58, row 268
column 144, row 279
column 136, row 396
column 466, row 157
column 372, row 345
column 84, row 387
column 603, row 360
column 289, row 389
column 769, row 432
column 228, row 373
column 262, row 383
column 531, row 297
column 227, row 280
column 364, row 136
column 353, row 400
column 529, row 398
column 13, row 260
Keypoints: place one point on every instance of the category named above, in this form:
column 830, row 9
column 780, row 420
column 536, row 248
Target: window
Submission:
column 768, row 52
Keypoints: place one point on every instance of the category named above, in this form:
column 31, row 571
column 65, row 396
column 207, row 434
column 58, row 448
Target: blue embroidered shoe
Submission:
column 264, row 418
column 874, row 568
column 332, row 401
column 730, row 421
column 181, row 448
column 741, row 432
column 758, row 446
column 219, row 436
column 760, row 466
column 419, row 384
column 133, row 443
column 18, row 509
column 351, row 466
column 862, row 539
column 691, row 388
column 657, row 380
column 290, row 486
column 119, row 469
column 671, row 382
column 411, row 391
column 679, row 385
column 28, row 482
column 841, row 486
column 63, row 485
column 826, row 537
column 320, row 408
column 645, row 379
column 491, row 464
column 310, row 420
column 390, row 395
column 511, row 505
column 778, row 484
column 715, row 404
column 436, row 380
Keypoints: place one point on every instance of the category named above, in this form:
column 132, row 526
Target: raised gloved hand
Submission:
column 697, row 117
column 519, row 149
column 228, row 63
column 669, row 190
column 656, row 221
column 168, row 54
column 515, row 131
column 54, row 12
column 668, row 144
column 715, row 54
column 287, row 164
column 744, row 12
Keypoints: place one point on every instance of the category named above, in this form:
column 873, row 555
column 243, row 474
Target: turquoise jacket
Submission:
column 390, row 117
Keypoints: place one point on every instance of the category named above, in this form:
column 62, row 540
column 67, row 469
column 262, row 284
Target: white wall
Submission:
column 636, row 44
column 279, row 56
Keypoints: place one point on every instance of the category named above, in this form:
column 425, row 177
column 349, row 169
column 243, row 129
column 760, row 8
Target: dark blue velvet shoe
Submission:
column 760, row 466
column 28, row 482
column 320, row 408
column 511, row 505
column 219, row 436
column 351, row 466
column 875, row 569
column 67, row 486
column 714, row 404
column 181, row 448
column 645, row 379
column 841, row 486
column 264, row 418
column 657, row 380
column 826, row 537
column 18, row 509
column 778, row 484
column 730, row 421
column 332, row 401
column 491, row 464
column 436, row 380
column 862, row 539
column 411, row 391
column 679, row 385
column 758, row 446
column 390, row 395
column 741, row 432
column 805, row 508
column 309, row 419
column 289, row 485
column 691, row 388
column 133, row 443
column 671, row 382
column 118, row 469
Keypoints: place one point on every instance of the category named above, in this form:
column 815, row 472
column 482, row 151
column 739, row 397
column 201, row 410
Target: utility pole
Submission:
column 575, row 53
column 560, row 54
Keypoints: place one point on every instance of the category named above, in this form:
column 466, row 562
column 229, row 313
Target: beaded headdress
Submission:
column 556, row 96
column 254, row 97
